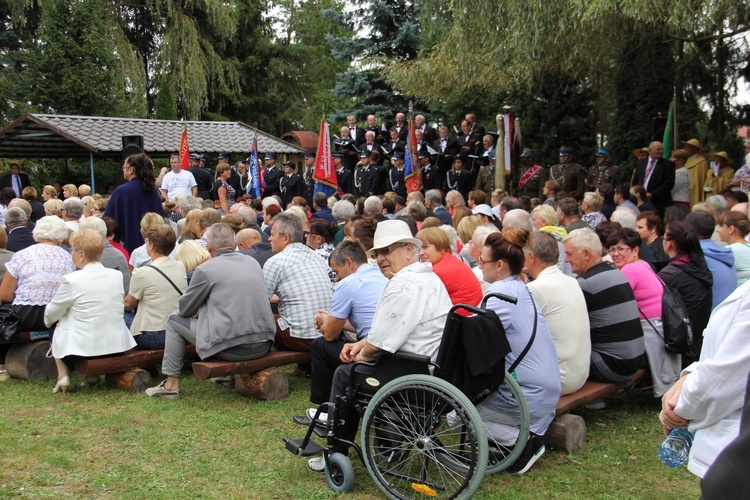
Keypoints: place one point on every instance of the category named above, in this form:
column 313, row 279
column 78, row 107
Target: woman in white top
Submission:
column 87, row 309
column 681, row 189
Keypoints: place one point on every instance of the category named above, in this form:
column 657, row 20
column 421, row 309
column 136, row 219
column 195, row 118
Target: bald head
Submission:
column 655, row 150
column 247, row 238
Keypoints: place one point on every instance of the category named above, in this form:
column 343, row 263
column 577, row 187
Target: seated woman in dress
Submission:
column 538, row 372
column 87, row 309
column 33, row 276
column 156, row 289
column 463, row 287
column 624, row 248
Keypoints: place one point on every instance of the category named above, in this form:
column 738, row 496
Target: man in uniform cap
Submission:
column 291, row 184
column 270, row 176
column 343, row 176
column 223, row 157
column 602, row 172
column 204, row 178
column 531, row 176
column 697, row 167
column 365, row 176
column 430, row 177
column 308, row 177
column 570, row 176
column 396, row 175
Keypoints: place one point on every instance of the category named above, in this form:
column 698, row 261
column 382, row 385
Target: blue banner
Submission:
column 253, row 185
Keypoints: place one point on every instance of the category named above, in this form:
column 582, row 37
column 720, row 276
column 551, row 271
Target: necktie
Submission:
column 649, row 171
column 17, row 185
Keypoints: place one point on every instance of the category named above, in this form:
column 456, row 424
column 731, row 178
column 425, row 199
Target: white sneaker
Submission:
column 322, row 418
column 317, row 464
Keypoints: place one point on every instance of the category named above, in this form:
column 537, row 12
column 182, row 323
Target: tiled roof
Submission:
column 59, row 136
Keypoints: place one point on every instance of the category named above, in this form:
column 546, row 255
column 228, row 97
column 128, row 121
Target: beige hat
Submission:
column 638, row 152
column 724, row 156
column 692, row 142
column 389, row 232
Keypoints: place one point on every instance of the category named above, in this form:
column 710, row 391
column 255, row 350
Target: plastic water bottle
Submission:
column 674, row 451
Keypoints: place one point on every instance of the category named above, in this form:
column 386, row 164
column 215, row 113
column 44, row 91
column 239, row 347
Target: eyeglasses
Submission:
column 482, row 262
column 308, row 233
column 385, row 251
column 620, row 250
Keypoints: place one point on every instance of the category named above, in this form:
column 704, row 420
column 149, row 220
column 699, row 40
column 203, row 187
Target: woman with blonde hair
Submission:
column 191, row 230
column 544, row 218
column 84, row 190
column 192, row 255
column 49, row 193
column 70, row 191
column 459, row 214
column 53, row 206
column 87, row 308
column 139, row 257
column 733, row 229
column 465, row 230
column 453, row 200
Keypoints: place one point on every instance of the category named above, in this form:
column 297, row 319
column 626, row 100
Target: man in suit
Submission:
column 356, row 134
column 656, row 175
column 291, row 184
column 471, row 148
column 19, row 235
column 433, row 200
column 271, row 176
column 430, row 177
column 370, row 143
column 343, row 175
column 476, row 128
column 308, row 177
column 250, row 242
column 446, row 147
column 381, row 133
column 428, row 133
column 16, row 180
column 401, row 127
column 348, row 149
column 395, row 143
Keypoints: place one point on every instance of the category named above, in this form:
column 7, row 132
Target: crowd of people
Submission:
column 187, row 256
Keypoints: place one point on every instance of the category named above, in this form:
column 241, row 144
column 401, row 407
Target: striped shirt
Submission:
column 617, row 345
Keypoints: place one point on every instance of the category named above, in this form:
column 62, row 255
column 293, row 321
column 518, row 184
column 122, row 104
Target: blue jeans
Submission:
column 151, row 340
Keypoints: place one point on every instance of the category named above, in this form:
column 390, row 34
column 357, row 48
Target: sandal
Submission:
column 4, row 376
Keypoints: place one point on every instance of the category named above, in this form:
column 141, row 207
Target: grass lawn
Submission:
column 106, row 443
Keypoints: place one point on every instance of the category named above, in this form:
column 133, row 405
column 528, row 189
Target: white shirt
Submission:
column 178, row 184
column 564, row 307
column 714, row 391
column 411, row 312
column 681, row 189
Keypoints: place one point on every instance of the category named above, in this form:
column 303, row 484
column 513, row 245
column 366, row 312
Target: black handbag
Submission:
column 9, row 323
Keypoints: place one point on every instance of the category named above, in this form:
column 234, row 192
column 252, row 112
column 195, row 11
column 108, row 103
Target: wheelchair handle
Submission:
column 501, row 296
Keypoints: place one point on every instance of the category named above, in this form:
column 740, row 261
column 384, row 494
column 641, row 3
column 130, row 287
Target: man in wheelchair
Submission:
column 409, row 318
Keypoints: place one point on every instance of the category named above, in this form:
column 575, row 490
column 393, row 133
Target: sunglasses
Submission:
column 385, row 251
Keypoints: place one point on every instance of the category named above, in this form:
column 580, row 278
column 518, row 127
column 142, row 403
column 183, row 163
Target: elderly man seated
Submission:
column 563, row 306
column 213, row 316
column 352, row 309
column 410, row 316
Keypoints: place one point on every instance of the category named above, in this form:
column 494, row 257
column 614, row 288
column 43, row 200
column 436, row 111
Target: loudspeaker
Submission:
column 131, row 145
column 658, row 125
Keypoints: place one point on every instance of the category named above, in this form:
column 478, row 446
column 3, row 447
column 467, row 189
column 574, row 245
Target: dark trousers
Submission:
column 347, row 415
column 285, row 342
column 31, row 319
column 325, row 360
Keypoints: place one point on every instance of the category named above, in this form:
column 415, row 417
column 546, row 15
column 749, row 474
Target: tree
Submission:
column 392, row 31
column 165, row 105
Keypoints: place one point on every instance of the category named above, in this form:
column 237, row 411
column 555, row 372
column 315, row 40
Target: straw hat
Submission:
column 692, row 142
column 638, row 152
column 724, row 156
column 389, row 232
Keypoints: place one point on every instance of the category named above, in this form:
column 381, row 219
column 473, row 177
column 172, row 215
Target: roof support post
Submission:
column 93, row 186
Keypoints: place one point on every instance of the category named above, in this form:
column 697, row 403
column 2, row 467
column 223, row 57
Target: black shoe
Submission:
column 531, row 453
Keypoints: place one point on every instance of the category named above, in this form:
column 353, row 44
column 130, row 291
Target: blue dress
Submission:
column 127, row 205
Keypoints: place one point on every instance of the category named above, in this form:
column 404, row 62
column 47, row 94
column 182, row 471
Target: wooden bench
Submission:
column 568, row 431
column 253, row 378
column 126, row 371
column 26, row 358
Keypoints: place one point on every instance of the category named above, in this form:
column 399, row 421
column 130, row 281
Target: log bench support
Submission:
column 254, row 378
column 568, row 432
column 29, row 361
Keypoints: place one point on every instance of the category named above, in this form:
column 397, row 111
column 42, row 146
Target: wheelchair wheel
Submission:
column 340, row 473
column 405, row 431
column 505, row 448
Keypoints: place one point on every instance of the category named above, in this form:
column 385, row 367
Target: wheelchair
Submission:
column 421, row 433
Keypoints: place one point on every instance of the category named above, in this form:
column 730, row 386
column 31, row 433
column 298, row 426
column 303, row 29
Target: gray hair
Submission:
column 625, row 216
column 373, row 205
column 96, row 224
column 450, row 231
column 480, row 235
column 268, row 201
column 320, row 200
column 51, row 228
column 435, row 197
column 718, row 202
column 518, row 219
column 187, row 203
column 15, row 216
column 220, row 236
column 342, row 210
column 593, row 200
column 291, row 225
column 248, row 216
column 416, row 210
column 348, row 250
column 545, row 247
column 585, row 238
column 74, row 208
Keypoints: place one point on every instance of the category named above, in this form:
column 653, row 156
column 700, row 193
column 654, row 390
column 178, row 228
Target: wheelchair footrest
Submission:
column 295, row 446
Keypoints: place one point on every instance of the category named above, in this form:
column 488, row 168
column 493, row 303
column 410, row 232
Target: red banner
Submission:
column 325, row 173
column 412, row 173
column 184, row 150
